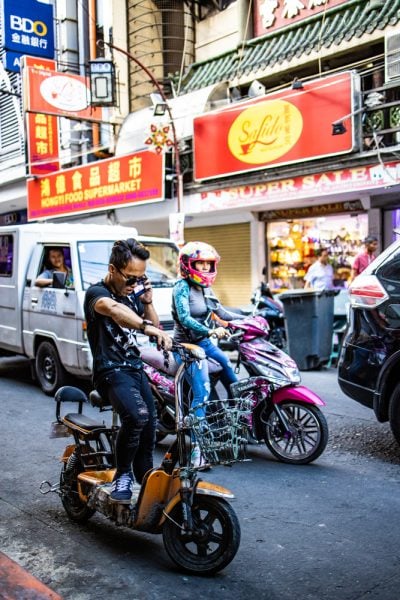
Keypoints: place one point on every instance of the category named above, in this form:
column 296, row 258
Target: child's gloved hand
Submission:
column 219, row 333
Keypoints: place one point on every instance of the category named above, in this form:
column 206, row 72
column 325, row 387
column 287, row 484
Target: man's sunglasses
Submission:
column 130, row 280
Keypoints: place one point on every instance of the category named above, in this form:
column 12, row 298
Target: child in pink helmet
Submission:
column 194, row 310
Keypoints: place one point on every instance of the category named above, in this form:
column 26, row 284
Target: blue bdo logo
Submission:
column 25, row 25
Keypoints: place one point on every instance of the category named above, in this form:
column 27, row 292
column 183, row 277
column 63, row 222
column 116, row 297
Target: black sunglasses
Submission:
column 130, row 280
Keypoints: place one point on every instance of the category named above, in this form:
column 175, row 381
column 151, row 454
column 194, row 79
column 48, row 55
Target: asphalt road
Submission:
column 329, row 530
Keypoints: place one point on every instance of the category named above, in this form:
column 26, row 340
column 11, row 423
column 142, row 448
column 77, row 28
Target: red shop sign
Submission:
column 112, row 183
column 280, row 128
column 42, row 139
column 270, row 15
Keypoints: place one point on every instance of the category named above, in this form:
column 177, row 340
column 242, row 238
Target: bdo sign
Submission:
column 28, row 28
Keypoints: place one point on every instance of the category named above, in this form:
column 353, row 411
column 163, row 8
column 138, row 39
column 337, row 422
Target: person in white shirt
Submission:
column 320, row 275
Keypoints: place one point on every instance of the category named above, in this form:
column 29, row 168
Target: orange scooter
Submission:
column 200, row 530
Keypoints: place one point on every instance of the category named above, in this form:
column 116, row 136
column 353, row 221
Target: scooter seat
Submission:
column 98, row 401
column 156, row 359
column 153, row 357
column 82, row 422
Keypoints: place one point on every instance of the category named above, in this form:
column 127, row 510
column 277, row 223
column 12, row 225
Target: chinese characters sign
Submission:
column 42, row 143
column 42, row 140
column 111, row 183
column 28, row 29
column 280, row 128
column 270, row 15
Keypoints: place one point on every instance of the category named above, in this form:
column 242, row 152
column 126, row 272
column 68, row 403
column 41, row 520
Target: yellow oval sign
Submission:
column 265, row 131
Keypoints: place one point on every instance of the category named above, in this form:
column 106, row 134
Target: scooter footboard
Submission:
column 299, row 393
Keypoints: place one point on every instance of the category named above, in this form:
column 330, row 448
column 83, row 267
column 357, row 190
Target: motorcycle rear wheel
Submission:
column 77, row 510
column 214, row 541
column 311, row 435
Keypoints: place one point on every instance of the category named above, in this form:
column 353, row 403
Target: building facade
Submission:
column 323, row 171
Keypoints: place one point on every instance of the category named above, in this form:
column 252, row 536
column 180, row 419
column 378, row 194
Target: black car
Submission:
column 369, row 362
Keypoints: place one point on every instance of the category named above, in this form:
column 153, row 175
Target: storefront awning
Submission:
column 136, row 126
column 340, row 24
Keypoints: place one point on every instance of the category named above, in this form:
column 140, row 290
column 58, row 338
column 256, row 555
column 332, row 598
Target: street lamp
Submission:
column 179, row 176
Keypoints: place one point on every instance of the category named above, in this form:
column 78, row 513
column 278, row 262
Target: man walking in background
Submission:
column 365, row 257
column 320, row 275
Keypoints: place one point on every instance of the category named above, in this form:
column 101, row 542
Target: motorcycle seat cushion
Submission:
column 82, row 421
column 98, row 401
column 155, row 359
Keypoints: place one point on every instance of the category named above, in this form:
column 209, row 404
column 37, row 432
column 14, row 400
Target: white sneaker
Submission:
column 197, row 460
column 195, row 456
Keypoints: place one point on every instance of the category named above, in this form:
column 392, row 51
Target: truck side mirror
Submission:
column 59, row 279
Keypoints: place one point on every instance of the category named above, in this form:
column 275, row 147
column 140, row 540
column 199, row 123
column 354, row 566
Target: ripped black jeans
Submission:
column 129, row 393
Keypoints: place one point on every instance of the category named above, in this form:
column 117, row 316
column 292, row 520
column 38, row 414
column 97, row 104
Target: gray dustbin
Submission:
column 309, row 326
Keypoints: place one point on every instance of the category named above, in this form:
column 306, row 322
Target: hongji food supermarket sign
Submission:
column 112, row 183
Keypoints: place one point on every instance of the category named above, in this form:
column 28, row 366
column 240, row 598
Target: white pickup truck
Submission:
column 47, row 324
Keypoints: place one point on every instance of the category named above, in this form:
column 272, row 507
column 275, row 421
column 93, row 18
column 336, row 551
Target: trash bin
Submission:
column 309, row 326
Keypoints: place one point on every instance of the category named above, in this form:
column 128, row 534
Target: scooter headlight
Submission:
column 293, row 374
column 280, row 377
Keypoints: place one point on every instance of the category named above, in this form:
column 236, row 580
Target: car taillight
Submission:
column 367, row 292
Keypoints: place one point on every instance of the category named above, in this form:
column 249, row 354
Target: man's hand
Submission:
column 164, row 341
column 147, row 296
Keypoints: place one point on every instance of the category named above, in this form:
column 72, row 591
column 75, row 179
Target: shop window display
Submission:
column 293, row 245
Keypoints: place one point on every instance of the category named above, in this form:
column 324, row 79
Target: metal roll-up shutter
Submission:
column 232, row 242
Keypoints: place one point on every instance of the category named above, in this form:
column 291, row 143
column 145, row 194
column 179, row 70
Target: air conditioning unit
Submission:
column 392, row 57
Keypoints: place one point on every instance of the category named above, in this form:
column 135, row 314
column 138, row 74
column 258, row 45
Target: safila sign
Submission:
column 280, row 128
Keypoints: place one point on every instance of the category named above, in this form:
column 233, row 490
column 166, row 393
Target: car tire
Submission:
column 394, row 412
column 50, row 373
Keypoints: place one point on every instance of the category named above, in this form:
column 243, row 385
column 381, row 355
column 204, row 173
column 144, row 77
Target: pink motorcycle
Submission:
column 285, row 415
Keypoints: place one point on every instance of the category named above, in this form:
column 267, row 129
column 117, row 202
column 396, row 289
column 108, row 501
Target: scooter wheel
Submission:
column 77, row 510
column 213, row 542
column 308, row 438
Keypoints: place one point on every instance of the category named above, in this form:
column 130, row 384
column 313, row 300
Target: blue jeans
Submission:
column 227, row 374
column 198, row 378
column 130, row 395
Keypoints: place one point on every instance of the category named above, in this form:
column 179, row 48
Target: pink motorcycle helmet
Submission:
column 198, row 251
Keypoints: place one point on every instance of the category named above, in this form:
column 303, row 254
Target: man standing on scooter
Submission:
column 115, row 309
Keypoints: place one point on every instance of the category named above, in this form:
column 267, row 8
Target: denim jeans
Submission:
column 227, row 375
column 130, row 395
column 198, row 377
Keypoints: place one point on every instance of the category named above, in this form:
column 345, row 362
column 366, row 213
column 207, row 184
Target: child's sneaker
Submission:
column 197, row 460
column 122, row 488
column 195, row 457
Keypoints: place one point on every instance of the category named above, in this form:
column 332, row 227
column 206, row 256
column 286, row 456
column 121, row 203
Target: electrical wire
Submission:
column 183, row 53
column 319, row 49
column 380, row 160
column 241, row 51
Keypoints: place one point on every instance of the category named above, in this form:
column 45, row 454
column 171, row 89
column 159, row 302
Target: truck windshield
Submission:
column 161, row 266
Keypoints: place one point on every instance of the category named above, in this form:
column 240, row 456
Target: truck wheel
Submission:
column 50, row 373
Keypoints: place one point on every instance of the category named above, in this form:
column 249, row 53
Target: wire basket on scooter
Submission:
column 222, row 432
